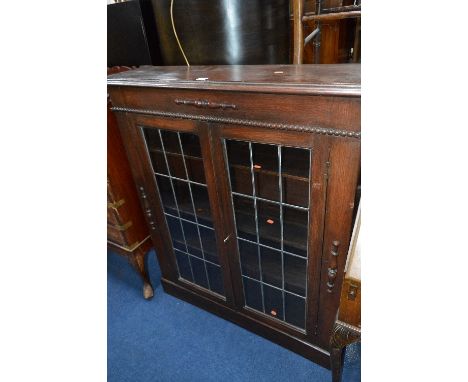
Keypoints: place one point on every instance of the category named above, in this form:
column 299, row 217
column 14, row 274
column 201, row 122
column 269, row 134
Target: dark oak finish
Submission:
column 277, row 151
column 127, row 233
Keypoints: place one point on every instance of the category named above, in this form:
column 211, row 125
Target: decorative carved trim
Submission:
column 247, row 122
column 353, row 290
column 128, row 248
column 121, row 227
column 147, row 209
column 116, row 205
column 333, row 268
column 344, row 334
column 203, row 103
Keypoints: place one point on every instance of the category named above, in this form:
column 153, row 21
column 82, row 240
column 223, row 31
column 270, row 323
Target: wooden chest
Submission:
column 127, row 233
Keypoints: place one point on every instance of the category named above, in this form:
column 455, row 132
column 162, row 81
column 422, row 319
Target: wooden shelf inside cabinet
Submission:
column 249, row 202
column 268, row 234
column 270, row 172
column 256, row 169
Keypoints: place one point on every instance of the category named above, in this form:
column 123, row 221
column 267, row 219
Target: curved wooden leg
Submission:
column 137, row 259
column 343, row 334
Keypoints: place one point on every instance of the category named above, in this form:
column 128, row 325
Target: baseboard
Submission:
column 307, row 350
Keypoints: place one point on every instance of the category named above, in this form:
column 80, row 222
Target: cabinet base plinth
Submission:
column 309, row 351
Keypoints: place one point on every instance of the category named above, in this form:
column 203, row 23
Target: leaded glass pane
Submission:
column 179, row 172
column 270, row 199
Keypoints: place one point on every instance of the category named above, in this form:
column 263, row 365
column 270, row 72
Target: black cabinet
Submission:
column 131, row 34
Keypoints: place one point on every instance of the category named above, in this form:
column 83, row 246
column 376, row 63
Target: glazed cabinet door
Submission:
column 174, row 172
column 274, row 184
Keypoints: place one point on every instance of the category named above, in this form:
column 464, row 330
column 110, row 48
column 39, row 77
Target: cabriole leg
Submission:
column 137, row 259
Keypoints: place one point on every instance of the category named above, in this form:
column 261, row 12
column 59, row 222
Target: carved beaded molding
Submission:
column 247, row 122
column 344, row 334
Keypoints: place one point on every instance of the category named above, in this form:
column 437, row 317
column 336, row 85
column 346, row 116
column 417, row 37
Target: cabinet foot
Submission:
column 343, row 334
column 137, row 259
column 148, row 291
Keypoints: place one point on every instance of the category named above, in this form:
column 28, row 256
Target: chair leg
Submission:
column 337, row 358
column 343, row 334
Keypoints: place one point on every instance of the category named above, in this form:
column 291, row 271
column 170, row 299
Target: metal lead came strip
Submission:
column 280, row 184
column 182, row 180
column 189, row 221
column 194, row 212
column 256, row 225
column 271, row 201
column 274, row 287
column 307, row 249
column 175, row 201
column 267, row 246
column 208, row 261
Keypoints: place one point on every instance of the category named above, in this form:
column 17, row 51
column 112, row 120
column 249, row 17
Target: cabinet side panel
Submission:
column 318, row 189
column 342, row 182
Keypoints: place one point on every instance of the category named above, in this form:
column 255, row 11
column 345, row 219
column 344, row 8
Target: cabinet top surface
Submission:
column 340, row 79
